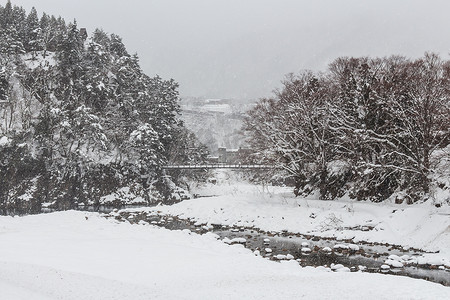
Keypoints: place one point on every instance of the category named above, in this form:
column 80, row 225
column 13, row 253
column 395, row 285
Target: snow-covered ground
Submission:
column 77, row 255
column 238, row 203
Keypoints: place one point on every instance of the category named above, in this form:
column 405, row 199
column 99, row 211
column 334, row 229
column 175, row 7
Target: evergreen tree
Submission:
column 7, row 15
column 117, row 47
column 97, row 91
column 33, row 32
column 4, row 85
column 91, row 120
column 11, row 42
column 70, row 68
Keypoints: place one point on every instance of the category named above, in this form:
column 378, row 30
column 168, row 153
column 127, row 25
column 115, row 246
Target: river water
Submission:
column 307, row 250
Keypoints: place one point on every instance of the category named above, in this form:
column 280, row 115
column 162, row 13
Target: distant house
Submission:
column 213, row 159
column 233, row 156
column 83, row 34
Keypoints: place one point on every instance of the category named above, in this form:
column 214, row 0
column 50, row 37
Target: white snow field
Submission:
column 78, row 255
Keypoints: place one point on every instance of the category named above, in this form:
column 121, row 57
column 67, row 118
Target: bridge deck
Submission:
column 217, row 166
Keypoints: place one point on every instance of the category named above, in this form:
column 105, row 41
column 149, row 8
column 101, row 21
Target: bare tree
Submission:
column 369, row 127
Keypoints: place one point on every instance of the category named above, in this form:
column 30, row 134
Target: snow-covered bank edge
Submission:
column 419, row 226
column 79, row 255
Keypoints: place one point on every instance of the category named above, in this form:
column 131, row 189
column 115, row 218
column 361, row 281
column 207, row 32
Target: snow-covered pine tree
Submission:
column 33, row 41
column 4, row 85
column 94, row 122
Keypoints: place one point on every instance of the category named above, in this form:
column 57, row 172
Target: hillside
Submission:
column 216, row 122
column 81, row 124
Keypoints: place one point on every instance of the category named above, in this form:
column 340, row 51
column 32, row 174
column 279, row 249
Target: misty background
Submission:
column 242, row 49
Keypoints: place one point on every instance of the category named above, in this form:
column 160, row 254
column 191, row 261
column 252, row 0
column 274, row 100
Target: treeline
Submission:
column 79, row 120
column 369, row 128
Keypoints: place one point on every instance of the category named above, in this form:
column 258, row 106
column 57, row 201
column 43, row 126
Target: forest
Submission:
column 368, row 128
column 80, row 120
column 82, row 125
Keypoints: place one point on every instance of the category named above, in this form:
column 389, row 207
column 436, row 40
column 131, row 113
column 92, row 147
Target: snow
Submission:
column 340, row 246
column 336, row 266
column 77, row 255
column 124, row 195
column 289, row 256
column 337, row 167
column 344, row 269
column 214, row 123
column 353, row 247
column 226, row 240
column 393, row 263
column 223, row 108
column 4, row 141
column 238, row 241
column 39, row 60
column 273, row 209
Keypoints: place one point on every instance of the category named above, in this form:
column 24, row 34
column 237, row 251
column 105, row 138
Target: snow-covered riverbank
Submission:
column 77, row 255
column 421, row 226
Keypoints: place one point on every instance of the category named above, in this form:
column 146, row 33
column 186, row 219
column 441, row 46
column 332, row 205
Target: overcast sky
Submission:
column 243, row 48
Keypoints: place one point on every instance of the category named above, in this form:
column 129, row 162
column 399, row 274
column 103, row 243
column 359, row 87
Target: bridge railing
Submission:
column 219, row 166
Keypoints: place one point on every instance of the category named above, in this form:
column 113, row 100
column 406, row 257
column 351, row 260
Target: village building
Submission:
column 232, row 156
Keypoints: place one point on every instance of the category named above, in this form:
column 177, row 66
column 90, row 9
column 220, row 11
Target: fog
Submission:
column 242, row 49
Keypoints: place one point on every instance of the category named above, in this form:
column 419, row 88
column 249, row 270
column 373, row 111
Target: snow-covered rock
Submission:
column 362, row 268
column 207, row 227
column 340, row 247
column 353, row 247
column 405, row 257
column 226, row 240
column 238, row 241
column 334, row 267
column 393, row 263
column 395, row 257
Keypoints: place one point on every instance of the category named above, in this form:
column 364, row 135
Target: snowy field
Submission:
column 77, row 255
